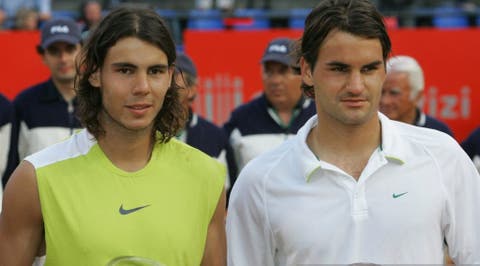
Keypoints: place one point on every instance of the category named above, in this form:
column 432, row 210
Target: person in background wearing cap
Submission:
column 277, row 113
column 354, row 187
column 402, row 92
column 45, row 112
column 199, row 132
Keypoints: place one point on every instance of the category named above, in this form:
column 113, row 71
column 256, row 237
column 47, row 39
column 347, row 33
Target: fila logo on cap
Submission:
column 59, row 29
column 278, row 48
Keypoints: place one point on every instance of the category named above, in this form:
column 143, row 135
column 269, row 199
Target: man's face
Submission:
column 347, row 78
column 396, row 101
column 93, row 12
column 59, row 57
column 133, row 81
column 281, row 85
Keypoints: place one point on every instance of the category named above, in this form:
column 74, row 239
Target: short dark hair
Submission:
column 358, row 17
column 121, row 23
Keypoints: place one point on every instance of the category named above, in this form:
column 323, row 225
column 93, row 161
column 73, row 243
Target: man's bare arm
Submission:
column 21, row 222
column 215, row 253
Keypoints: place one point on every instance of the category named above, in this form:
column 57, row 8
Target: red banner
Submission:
column 228, row 63
column 20, row 66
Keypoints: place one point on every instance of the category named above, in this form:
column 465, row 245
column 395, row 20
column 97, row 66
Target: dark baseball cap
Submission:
column 280, row 50
column 185, row 64
column 60, row 30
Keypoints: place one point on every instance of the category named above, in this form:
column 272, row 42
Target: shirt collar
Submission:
column 391, row 148
column 306, row 159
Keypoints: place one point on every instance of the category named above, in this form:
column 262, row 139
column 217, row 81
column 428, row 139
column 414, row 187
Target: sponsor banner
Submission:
column 21, row 66
column 228, row 64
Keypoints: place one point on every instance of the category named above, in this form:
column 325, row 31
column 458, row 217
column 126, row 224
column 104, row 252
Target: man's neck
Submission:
column 348, row 147
column 126, row 149
column 411, row 117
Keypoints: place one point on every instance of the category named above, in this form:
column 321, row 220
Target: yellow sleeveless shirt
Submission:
column 94, row 212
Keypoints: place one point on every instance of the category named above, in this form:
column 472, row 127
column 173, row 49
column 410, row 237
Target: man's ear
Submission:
column 306, row 72
column 94, row 79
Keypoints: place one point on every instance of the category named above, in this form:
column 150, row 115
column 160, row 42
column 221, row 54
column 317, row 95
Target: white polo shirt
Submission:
column 419, row 187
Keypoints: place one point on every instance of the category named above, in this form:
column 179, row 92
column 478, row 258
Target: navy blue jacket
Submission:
column 43, row 106
column 253, row 128
column 205, row 136
column 253, row 118
column 6, row 119
column 424, row 120
column 471, row 144
column 6, row 111
column 40, row 107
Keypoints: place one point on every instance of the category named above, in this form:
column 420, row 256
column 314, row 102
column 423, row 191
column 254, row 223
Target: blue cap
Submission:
column 185, row 64
column 280, row 50
column 60, row 30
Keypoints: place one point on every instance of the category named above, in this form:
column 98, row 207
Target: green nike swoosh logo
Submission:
column 398, row 195
column 128, row 211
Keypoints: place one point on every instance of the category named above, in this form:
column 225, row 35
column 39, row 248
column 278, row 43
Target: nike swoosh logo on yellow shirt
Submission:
column 128, row 211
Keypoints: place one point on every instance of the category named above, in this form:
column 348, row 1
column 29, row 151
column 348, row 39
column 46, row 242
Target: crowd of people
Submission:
column 333, row 163
column 32, row 14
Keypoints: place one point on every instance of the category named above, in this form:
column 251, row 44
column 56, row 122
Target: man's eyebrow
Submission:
column 162, row 66
column 374, row 64
column 337, row 64
column 126, row 64
column 341, row 64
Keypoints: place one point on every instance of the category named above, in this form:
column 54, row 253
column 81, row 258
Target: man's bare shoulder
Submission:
column 23, row 180
column 21, row 193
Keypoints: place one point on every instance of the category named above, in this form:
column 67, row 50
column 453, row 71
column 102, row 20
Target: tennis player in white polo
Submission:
column 354, row 186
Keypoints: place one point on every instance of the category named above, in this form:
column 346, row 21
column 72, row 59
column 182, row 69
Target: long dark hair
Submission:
column 125, row 22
